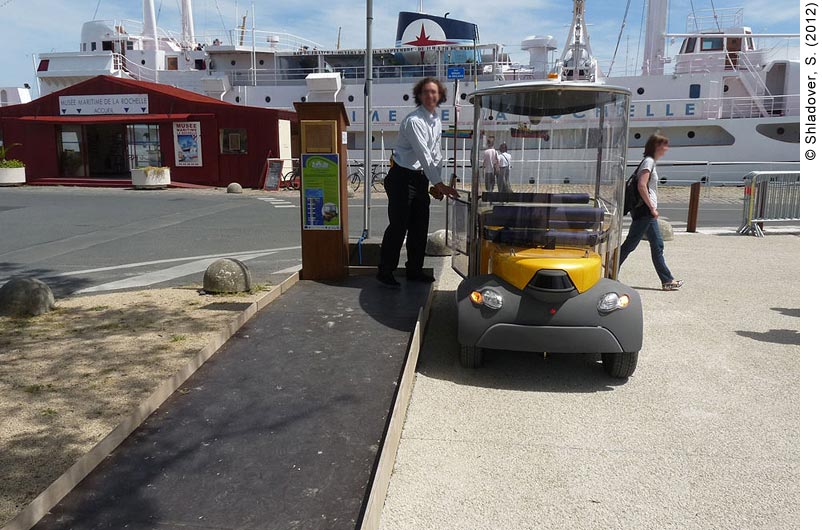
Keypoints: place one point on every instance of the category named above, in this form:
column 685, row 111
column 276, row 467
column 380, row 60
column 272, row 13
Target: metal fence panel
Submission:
column 769, row 196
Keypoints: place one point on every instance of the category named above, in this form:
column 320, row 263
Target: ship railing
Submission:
column 722, row 107
column 136, row 71
column 261, row 40
column 710, row 19
column 770, row 196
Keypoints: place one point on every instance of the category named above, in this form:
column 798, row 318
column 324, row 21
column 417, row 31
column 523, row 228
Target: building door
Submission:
column 71, row 150
column 106, row 151
column 144, row 145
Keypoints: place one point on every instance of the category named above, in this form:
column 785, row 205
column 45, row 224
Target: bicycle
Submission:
column 292, row 180
column 377, row 178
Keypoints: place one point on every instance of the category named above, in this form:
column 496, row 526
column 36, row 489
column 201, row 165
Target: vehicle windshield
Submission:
column 550, row 169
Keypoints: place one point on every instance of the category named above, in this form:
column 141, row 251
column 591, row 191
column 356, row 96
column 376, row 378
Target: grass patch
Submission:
column 49, row 412
column 178, row 338
column 34, row 389
column 99, row 308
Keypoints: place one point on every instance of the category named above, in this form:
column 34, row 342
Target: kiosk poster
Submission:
column 188, row 146
column 320, row 185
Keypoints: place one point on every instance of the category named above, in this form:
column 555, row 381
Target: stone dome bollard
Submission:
column 25, row 297
column 227, row 275
column 234, row 187
column 666, row 229
column 436, row 244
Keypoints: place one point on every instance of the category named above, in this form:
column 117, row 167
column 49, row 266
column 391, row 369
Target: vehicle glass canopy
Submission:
column 549, row 165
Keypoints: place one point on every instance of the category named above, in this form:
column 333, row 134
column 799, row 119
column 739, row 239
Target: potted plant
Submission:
column 151, row 177
column 12, row 172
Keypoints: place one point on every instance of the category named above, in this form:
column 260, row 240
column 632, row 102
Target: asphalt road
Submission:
column 96, row 240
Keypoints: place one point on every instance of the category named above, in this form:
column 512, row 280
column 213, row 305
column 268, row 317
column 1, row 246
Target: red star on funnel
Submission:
column 423, row 40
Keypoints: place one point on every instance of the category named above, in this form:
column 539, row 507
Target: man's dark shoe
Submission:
column 420, row 277
column 387, row 279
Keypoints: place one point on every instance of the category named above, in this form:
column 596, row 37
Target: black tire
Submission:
column 620, row 365
column 470, row 356
column 378, row 182
column 354, row 182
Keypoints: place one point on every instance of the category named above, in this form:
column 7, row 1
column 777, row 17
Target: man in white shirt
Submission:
column 417, row 161
column 504, row 173
column 490, row 164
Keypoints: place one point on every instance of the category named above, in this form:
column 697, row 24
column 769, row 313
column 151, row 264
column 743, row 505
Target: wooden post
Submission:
column 325, row 252
column 693, row 206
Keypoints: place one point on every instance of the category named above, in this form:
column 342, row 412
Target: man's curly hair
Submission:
column 440, row 86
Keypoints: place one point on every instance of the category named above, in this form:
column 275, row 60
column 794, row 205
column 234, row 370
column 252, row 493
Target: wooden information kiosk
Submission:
column 323, row 190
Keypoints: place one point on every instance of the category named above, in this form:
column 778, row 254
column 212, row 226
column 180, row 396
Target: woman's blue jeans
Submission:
column 640, row 226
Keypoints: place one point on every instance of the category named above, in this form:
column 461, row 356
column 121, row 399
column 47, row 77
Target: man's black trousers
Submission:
column 408, row 210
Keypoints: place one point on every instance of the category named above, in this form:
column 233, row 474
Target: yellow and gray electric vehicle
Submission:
column 539, row 250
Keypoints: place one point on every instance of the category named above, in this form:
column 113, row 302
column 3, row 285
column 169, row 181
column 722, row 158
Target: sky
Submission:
column 37, row 26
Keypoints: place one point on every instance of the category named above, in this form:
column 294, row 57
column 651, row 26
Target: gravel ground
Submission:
column 67, row 378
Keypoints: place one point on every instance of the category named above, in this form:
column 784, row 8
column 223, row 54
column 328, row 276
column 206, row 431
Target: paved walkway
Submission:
column 705, row 435
column 280, row 429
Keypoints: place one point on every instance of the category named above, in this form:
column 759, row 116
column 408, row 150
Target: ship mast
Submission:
column 150, row 23
column 653, row 62
column 187, row 24
column 577, row 58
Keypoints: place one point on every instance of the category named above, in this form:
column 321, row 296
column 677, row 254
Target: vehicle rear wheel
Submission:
column 470, row 356
column 620, row 365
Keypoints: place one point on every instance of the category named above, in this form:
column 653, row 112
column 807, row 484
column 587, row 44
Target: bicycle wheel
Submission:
column 354, row 181
column 287, row 180
column 296, row 181
column 378, row 182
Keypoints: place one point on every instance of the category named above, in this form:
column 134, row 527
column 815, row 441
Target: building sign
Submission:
column 320, row 186
column 188, row 146
column 104, row 104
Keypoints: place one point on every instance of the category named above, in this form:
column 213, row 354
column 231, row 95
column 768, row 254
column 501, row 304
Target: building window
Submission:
column 144, row 145
column 713, row 44
column 694, row 91
column 233, row 141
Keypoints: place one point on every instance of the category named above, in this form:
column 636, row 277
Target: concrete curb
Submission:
column 66, row 482
column 391, row 441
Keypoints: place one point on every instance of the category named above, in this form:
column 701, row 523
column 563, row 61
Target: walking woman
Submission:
column 645, row 216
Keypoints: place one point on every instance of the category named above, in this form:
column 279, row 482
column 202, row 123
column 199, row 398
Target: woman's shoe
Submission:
column 673, row 285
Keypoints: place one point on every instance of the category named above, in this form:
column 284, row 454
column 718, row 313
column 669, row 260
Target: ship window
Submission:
column 637, row 136
column 237, row 99
column 262, row 62
column 691, row 134
column 694, row 91
column 640, row 91
column 233, row 62
column 268, row 99
column 108, row 46
column 84, row 46
column 351, row 99
column 713, row 44
column 93, row 46
column 690, row 45
column 750, row 44
column 171, row 63
column 43, row 66
column 199, row 64
column 234, row 141
column 129, row 44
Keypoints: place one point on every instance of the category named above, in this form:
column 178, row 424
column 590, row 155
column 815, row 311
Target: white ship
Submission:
column 728, row 99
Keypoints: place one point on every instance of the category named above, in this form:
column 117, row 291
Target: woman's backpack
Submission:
column 633, row 199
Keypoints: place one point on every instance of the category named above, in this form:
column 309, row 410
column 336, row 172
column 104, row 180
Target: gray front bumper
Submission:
column 525, row 323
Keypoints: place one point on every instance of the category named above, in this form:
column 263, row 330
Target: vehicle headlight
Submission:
column 487, row 297
column 610, row 302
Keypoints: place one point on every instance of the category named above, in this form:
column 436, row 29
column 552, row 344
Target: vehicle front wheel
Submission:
column 620, row 365
column 470, row 356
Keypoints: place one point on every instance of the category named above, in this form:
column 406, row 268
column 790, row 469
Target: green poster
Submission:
column 321, row 192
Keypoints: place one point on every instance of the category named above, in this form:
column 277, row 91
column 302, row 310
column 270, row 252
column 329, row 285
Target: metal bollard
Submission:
column 693, row 207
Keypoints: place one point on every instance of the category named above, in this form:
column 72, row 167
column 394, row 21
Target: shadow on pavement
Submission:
column 509, row 370
column 776, row 336
column 61, row 286
column 787, row 311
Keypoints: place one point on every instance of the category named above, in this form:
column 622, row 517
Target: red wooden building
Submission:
column 100, row 129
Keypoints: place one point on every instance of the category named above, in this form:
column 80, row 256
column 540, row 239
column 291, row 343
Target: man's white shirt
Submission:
column 419, row 144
